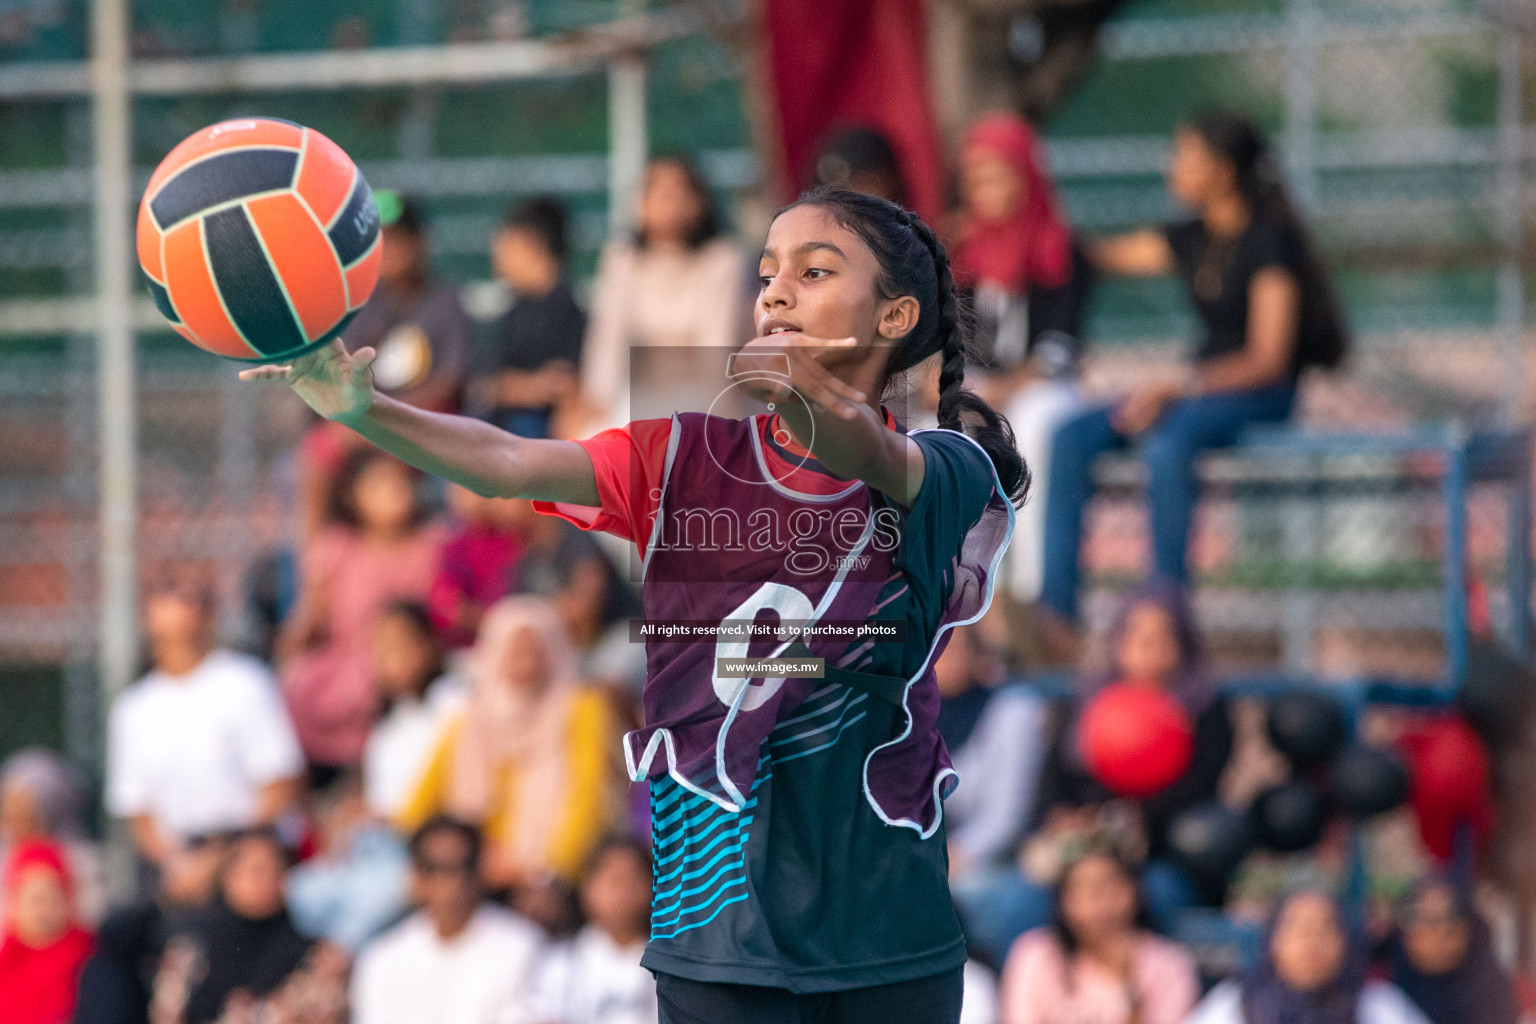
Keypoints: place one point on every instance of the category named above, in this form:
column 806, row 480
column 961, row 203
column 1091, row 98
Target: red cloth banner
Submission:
column 841, row 63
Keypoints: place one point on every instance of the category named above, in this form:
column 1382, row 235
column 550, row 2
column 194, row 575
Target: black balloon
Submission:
column 1306, row 726
column 1495, row 697
column 1368, row 780
column 1208, row 841
column 1289, row 817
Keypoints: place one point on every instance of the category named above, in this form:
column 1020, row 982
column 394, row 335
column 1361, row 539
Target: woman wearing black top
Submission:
column 1268, row 312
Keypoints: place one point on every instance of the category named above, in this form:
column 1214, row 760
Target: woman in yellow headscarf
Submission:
column 533, row 755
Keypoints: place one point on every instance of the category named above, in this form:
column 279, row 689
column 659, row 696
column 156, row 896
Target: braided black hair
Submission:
column 913, row 262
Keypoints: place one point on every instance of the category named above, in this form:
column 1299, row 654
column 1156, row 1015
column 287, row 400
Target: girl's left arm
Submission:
column 840, row 424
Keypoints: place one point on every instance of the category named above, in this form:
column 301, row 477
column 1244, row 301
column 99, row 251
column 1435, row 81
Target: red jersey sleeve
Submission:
column 628, row 463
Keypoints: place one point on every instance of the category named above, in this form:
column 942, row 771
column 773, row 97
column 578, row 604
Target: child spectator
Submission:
column 458, row 959
column 381, row 550
column 1097, row 961
column 202, row 744
column 241, row 950
column 1442, row 958
column 596, row 978
column 1152, row 643
column 1309, row 972
column 478, row 564
column 418, row 697
column 42, row 796
column 532, row 756
column 357, row 883
column 42, row 948
column 538, row 342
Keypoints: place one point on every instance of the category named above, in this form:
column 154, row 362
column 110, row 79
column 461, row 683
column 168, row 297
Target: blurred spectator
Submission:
column 1152, row 643
column 422, row 337
column 418, row 696
column 596, row 978
column 1268, row 312
column 241, row 950
column 538, row 342
column 862, row 159
column 1012, row 248
column 42, row 796
column 42, row 947
column 354, row 885
column 993, row 732
column 381, row 549
column 1097, row 961
column 457, row 960
column 565, row 566
column 416, row 324
column 1309, row 972
column 678, row 282
column 478, row 564
column 1442, row 958
column 117, row 982
column 202, row 744
column 1014, row 254
column 532, row 758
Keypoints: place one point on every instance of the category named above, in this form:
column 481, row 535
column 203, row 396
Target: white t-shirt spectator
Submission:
column 593, row 980
column 410, row 975
column 194, row 751
column 401, row 743
column 1380, row 1003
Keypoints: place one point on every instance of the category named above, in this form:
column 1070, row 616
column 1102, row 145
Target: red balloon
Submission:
column 1135, row 740
column 1449, row 776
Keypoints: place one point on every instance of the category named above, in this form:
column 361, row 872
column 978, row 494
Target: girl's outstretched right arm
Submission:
column 339, row 386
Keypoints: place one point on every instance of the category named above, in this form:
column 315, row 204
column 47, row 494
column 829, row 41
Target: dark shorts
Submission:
column 934, row 1000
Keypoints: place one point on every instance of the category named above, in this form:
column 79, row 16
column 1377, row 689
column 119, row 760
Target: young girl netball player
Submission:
column 800, row 864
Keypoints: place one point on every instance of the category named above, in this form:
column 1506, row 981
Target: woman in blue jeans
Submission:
column 1267, row 310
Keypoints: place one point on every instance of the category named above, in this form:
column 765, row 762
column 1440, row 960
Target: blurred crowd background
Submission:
column 1246, row 735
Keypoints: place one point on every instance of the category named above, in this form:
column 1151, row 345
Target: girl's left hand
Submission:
column 778, row 366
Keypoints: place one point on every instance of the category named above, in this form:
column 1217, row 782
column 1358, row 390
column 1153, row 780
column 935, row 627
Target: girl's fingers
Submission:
column 363, row 357
column 827, row 391
column 822, row 348
column 261, row 373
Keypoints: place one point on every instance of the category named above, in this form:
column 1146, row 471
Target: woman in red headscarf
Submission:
column 42, row 949
column 1015, row 254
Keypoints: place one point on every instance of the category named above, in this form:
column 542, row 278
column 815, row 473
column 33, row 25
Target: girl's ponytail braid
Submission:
column 913, row 262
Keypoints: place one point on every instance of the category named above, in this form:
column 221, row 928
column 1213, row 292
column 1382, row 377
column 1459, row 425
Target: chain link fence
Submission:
column 1403, row 130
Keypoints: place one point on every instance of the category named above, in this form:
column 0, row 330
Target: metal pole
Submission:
column 1511, row 289
column 115, row 376
column 1302, row 24
column 628, row 134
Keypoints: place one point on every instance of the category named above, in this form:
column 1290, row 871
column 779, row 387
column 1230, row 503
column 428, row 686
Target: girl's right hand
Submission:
column 335, row 383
